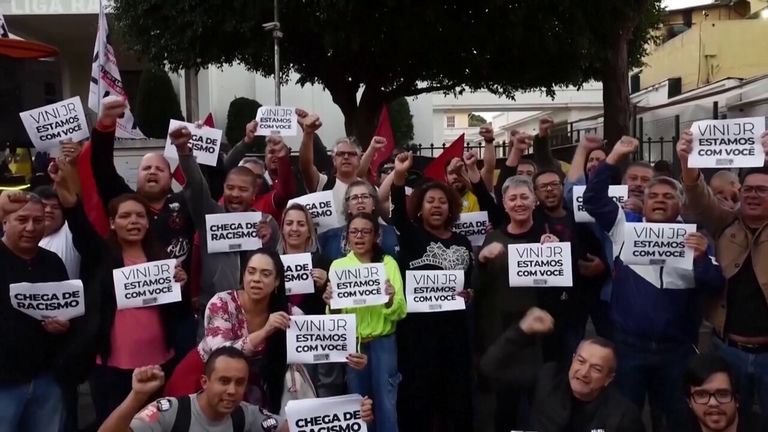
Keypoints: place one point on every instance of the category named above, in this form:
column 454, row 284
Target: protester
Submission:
column 376, row 325
column 456, row 178
column 740, row 313
column 218, row 407
column 360, row 197
column 57, row 236
column 168, row 214
column 653, row 308
column 577, row 398
column 427, row 400
column 725, row 186
column 30, row 377
column 498, row 306
column 637, row 177
column 709, row 387
column 515, row 165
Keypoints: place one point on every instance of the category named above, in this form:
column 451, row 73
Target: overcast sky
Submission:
column 678, row 4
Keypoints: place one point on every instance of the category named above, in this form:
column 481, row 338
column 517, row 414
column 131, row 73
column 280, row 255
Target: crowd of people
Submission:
column 515, row 358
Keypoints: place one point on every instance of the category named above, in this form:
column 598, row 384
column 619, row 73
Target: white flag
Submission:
column 106, row 81
column 3, row 27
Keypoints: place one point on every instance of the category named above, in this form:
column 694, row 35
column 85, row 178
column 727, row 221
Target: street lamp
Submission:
column 274, row 27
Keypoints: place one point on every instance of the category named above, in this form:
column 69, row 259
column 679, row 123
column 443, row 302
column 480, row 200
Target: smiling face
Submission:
column 519, row 202
column 360, row 236
column 239, row 193
column 295, row 229
column 714, row 414
column 592, row 369
column 754, row 198
column 435, row 209
column 225, row 388
column 661, row 204
column 260, row 277
column 154, row 180
column 130, row 222
column 24, row 228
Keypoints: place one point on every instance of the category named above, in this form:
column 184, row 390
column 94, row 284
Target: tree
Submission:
column 368, row 54
column 476, row 120
column 402, row 121
column 241, row 111
column 156, row 103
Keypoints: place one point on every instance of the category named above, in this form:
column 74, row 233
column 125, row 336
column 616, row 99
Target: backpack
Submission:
column 298, row 385
column 184, row 417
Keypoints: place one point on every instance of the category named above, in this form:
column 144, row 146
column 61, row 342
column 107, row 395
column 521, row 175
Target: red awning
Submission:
column 24, row 49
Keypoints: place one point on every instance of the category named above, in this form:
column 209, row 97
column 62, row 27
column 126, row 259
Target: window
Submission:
column 450, row 121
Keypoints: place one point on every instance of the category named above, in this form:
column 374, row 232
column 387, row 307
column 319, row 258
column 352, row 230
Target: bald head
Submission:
column 154, row 178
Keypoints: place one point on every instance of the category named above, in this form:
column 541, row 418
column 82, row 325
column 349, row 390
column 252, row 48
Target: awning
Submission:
column 24, row 49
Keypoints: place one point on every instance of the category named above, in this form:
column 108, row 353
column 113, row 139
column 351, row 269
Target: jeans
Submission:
column 35, row 406
column 656, row 370
column 751, row 375
column 379, row 381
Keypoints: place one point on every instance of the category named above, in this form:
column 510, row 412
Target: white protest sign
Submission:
column 321, row 338
column 232, row 232
column 434, row 290
column 148, row 284
column 618, row 194
column 322, row 209
column 276, row 121
column 51, row 124
column 535, row 264
column 298, row 273
column 473, row 226
column 657, row 244
column 63, row 300
column 205, row 143
column 727, row 143
column 358, row 286
column 339, row 413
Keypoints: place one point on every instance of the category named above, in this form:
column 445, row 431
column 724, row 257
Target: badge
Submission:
column 163, row 405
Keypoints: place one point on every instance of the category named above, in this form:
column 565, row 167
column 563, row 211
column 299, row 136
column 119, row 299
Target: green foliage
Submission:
column 156, row 103
column 241, row 112
column 402, row 121
column 476, row 120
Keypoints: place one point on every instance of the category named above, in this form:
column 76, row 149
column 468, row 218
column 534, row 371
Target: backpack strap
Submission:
column 183, row 415
column 330, row 183
column 238, row 419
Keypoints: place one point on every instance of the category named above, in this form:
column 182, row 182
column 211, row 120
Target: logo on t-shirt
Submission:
column 163, row 405
column 269, row 424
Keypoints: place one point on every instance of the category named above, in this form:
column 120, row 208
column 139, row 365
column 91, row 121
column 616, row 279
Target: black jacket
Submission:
column 513, row 360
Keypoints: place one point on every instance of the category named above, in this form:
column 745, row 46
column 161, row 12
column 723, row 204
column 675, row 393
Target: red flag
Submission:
column 92, row 204
column 178, row 175
column 436, row 169
column 384, row 130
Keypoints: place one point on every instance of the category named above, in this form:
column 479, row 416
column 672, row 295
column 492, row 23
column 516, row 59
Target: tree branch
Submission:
column 427, row 89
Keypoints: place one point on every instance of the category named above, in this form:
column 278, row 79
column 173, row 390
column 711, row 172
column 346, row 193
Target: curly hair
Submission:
column 454, row 202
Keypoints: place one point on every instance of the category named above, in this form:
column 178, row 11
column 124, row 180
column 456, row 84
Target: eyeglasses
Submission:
column 365, row 232
column 359, row 198
column 343, row 154
column 761, row 191
column 702, row 397
column 548, row 186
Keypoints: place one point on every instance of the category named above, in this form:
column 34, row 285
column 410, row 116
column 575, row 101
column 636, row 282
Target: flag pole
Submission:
column 274, row 27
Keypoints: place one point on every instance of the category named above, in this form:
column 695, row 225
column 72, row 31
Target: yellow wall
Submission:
column 709, row 52
column 462, row 119
column 715, row 13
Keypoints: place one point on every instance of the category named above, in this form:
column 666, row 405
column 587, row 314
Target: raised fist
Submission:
column 537, row 322
column 311, row 123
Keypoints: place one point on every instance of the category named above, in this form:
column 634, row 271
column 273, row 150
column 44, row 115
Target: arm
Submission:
column 306, row 158
column 496, row 215
column 521, row 143
column 285, row 189
column 400, row 219
column 121, row 417
column 542, row 154
column 248, row 144
column 197, row 194
column 86, row 240
column 489, row 164
column 707, row 272
column 108, row 182
column 385, row 191
column 145, row 382
column 597, row 202
column 397, row 310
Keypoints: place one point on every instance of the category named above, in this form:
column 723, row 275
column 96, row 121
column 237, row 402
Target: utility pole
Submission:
column 274, row 27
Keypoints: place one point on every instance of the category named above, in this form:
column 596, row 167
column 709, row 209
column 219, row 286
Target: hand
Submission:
column 357, row 361
column 549, row 238
column 250, row 131
column 70, row 150
column 684, row 147
column 470, row 159
column 277, row 321
column 366, row 410
column 591, row 266
column 491, row 251
column 66, row 181
column 180, row 138
column 486, row 133
column 625, row 147
column 12, row 201
column 328, row 294
column 56, row 326
column 545, row 126
column 377, row 143
column 523, row 142
column 311, row 123
column 300, row 113
column 403, row 162
column 111, row 109
column 147, row 380
column 633, row 205
column 466, row 295
column 320, row 277
column 389, row 290
column 179, row 275
column 537, row 322
column 282, row 151
column 590, row 142
column 698, row 242
column 456, row 165
column 264, row 232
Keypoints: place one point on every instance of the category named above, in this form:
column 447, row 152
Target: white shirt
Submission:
column 339, row 190
column 61, row 244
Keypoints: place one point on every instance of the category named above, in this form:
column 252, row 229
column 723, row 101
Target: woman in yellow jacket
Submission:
column 375, row 324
